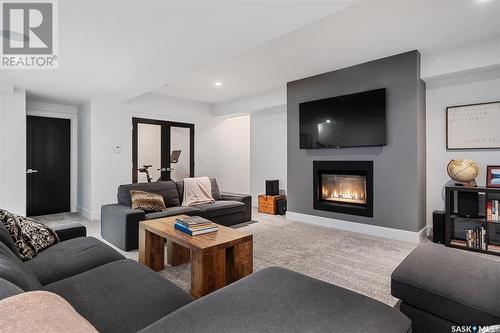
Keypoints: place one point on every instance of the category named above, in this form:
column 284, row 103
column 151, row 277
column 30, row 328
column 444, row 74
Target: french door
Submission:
column 161, row 150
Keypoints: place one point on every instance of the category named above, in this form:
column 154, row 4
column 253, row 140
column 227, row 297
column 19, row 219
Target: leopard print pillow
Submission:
column 29, row 235
column 147, row 201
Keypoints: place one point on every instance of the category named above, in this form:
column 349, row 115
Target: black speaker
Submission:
column 468, row 204
column 272, row 187
column 281, row 207
column 438, row 221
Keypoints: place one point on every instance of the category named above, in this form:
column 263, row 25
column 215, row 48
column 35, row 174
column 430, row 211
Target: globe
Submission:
column 464, row 171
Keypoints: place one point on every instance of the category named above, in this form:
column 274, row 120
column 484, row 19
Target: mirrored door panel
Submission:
column 179, row 151
column 149, row 151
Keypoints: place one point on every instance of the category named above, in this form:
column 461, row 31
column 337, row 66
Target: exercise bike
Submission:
column 174, row 158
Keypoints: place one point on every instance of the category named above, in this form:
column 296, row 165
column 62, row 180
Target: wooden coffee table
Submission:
column 217, row 258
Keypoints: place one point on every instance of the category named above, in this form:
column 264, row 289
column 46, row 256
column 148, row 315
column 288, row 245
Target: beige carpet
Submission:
column 354, row 261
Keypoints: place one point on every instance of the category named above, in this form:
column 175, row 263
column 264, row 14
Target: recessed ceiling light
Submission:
column 482, row 0
column 328, row 121
column 217, row 83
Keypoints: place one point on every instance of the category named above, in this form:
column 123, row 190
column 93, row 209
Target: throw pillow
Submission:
column 29, row 235
column 5, row 237
column 147, row 201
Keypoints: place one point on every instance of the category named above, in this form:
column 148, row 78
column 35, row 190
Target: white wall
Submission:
column 245, row 105
column 84, row 181
column 459, row 92
column 13, row 151
column 230, row 153
column 221, row 145
column 267, row 149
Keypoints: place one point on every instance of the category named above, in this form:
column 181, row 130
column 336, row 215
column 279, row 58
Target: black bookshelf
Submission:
column 492, row 228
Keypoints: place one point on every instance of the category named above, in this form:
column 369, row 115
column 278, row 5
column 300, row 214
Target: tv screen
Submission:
column 353, row 120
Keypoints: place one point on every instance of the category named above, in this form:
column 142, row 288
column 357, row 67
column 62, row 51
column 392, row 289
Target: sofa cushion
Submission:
column 71, row 257
column 214, row 187
column 5, row 237
column 14, row 271
column 450, row 283
column 147, row 201
column 171, row 211
column 4, row 250
column 122, row 296
column 40, row 311
column 279, row 300
column 8, row 289
column 67, row 230
column 221, row 207
column 167, row 189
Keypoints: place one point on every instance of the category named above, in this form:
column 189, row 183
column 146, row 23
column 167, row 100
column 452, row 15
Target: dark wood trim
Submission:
column 446, row 120
column 165, row 144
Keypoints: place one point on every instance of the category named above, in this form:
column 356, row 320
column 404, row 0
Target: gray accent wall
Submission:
column 398, row 167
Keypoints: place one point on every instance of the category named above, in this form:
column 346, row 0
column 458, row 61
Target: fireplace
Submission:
column 344, row 187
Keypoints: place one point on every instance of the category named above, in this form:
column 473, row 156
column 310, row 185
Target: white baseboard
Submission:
column 367, row 229
column 89, row 215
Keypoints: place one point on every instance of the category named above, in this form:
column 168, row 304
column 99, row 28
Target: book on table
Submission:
column 195, row 225
column 196, row 230
column 191, row 221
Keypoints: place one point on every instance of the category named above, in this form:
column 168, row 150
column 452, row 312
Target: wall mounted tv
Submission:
column 354, row 120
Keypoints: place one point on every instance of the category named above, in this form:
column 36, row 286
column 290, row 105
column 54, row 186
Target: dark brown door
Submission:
column 48, row 165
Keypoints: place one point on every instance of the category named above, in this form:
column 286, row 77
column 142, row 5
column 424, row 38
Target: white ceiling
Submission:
column 120, row 49
column 359, row 33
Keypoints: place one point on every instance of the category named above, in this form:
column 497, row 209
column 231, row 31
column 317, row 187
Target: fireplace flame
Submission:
column 348, row 189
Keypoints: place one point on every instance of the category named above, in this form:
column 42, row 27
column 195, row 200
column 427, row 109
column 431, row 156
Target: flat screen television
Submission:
column 354, row 120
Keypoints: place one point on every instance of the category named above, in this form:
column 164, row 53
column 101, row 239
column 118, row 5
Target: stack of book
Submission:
column 195, row 225
column 476, row 238
column 492, row 214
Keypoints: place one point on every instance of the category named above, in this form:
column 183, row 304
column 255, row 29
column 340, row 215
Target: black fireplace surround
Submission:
column 344, row 187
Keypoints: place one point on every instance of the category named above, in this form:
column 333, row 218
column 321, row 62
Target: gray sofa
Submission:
column 441, row 287
column 119, row 295
column 120, row 223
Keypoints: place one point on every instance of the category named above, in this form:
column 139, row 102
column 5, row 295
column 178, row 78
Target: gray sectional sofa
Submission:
column 120, row 223
column 120, row 295
column 441, row 287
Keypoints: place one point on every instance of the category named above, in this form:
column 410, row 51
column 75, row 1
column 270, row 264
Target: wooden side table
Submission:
column 217, row 259
column 267, row 203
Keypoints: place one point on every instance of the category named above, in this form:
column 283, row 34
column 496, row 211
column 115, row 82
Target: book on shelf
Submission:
column 492, row 213
column 476, row 238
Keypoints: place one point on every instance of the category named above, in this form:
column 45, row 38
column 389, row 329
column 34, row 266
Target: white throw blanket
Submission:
column 197, row 191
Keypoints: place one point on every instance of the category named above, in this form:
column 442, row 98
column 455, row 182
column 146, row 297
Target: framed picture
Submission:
column 493, row 176
column 473, row 126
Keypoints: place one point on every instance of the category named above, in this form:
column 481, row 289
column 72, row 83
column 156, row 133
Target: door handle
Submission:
column 31, row 171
